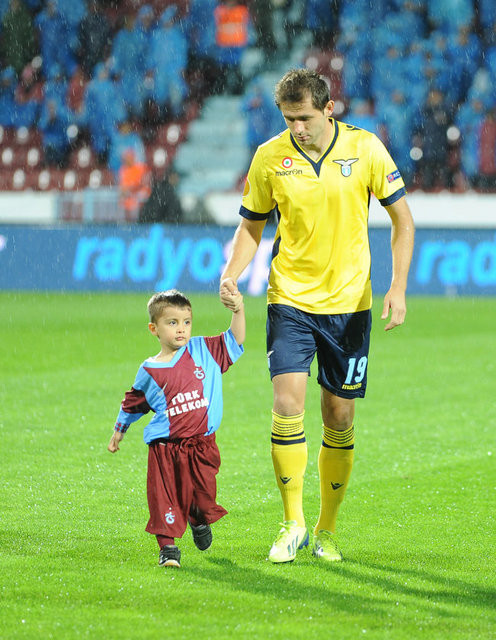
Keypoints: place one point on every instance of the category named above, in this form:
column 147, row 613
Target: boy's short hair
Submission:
column 297, row 83
column 171, row 298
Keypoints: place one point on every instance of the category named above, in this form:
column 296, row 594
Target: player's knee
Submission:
column 287, row 405
column 338, row 415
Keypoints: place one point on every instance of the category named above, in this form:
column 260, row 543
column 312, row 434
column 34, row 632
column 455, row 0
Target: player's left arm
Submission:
column 402, row 238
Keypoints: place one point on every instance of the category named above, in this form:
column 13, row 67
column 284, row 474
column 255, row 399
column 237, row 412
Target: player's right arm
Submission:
column 244, row 247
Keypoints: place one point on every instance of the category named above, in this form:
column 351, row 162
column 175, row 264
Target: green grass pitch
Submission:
column 417, row 527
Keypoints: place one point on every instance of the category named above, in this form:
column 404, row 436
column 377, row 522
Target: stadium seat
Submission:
column 330, row 65
column 171, row 134
column 7, row 157
column 33, row 157
column 19, row 179
column 25, row 136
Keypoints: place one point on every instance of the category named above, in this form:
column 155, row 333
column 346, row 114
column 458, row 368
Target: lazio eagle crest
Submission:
column 346, row 166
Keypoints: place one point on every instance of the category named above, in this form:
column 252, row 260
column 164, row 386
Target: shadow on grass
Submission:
column 282, row 586
column 429, row 590
column 445, row 589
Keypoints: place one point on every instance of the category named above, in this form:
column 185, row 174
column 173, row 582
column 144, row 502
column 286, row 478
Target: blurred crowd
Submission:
column 419, row 73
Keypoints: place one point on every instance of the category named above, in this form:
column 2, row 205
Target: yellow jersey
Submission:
column 321, row 254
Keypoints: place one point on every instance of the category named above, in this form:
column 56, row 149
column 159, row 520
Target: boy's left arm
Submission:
column 113, row 445
column 238, row 322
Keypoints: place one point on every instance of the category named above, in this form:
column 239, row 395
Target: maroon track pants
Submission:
column 181, row 484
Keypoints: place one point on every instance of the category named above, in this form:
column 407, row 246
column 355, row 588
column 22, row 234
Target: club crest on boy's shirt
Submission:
column 199, row 373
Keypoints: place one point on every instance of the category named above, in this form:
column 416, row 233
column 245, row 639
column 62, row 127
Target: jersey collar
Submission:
column 317, row 165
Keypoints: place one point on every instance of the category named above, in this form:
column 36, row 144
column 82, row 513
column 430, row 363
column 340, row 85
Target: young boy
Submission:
column 183, row 386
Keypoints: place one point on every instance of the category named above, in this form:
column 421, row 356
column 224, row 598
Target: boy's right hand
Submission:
column 113, row 445
column 237, row 302
column 228, row 292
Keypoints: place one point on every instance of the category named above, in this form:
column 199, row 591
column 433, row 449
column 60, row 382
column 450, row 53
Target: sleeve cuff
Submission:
column 251, row 215
column 393, row 198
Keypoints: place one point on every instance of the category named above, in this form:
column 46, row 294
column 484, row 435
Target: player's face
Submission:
column 310, row 127
column 173, row 328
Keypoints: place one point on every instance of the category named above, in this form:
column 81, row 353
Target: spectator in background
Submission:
column 262, row 13
column 232, row 21
column 320, row 20
column 145, row 25
column 202, row 64
column 17, row 44
column 164, row 204
column 487, row 151
column 464, row 50
column 262, row 116
column 56, row 39
column 94, row 30
column 128, row 64
column 469, row 120
column 102, row 111
column 134, row 185
column 487, row 17
column 434, row 162
column 29, row 91
column 53, row 125
column 125, row 138
column 413, row 67
column 357, row 51
column 397, row 116
column 449, row 15
column 56, row 85
column 361, row 114
column 291, row 15
column 167, row 61
column 386, row 75
column 412, row 14
column 4, row 7
column 75, row 92
column 73, row 12
column 13, row 113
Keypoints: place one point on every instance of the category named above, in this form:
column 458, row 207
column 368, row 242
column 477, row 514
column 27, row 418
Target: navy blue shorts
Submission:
column 341, row 342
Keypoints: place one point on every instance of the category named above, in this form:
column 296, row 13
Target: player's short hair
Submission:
column 297, row 83
column 171, row 298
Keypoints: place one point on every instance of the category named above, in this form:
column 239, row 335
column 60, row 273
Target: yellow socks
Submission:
column 335, row 464
column 289, row 457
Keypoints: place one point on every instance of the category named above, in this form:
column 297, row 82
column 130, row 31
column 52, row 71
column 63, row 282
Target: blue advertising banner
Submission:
column 158, row 257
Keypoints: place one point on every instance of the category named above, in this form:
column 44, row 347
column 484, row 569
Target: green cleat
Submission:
column 325, row 547
column 290, row 538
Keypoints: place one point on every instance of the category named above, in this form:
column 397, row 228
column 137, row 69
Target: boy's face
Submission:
column 173, row 328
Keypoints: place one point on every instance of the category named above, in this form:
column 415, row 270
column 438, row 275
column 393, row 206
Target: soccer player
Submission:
column 317, row 176
column 182, row 384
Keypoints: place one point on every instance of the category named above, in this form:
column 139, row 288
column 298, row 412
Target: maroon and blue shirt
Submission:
column 185, row 394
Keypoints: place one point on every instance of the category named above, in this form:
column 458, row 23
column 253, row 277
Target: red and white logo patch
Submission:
column 199, row 373
column 287, row 163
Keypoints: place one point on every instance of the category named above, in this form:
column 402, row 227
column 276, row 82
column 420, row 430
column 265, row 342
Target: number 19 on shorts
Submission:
column 356, row 373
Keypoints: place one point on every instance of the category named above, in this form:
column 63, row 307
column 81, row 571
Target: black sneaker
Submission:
column 202, row 536
column 170, row 556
